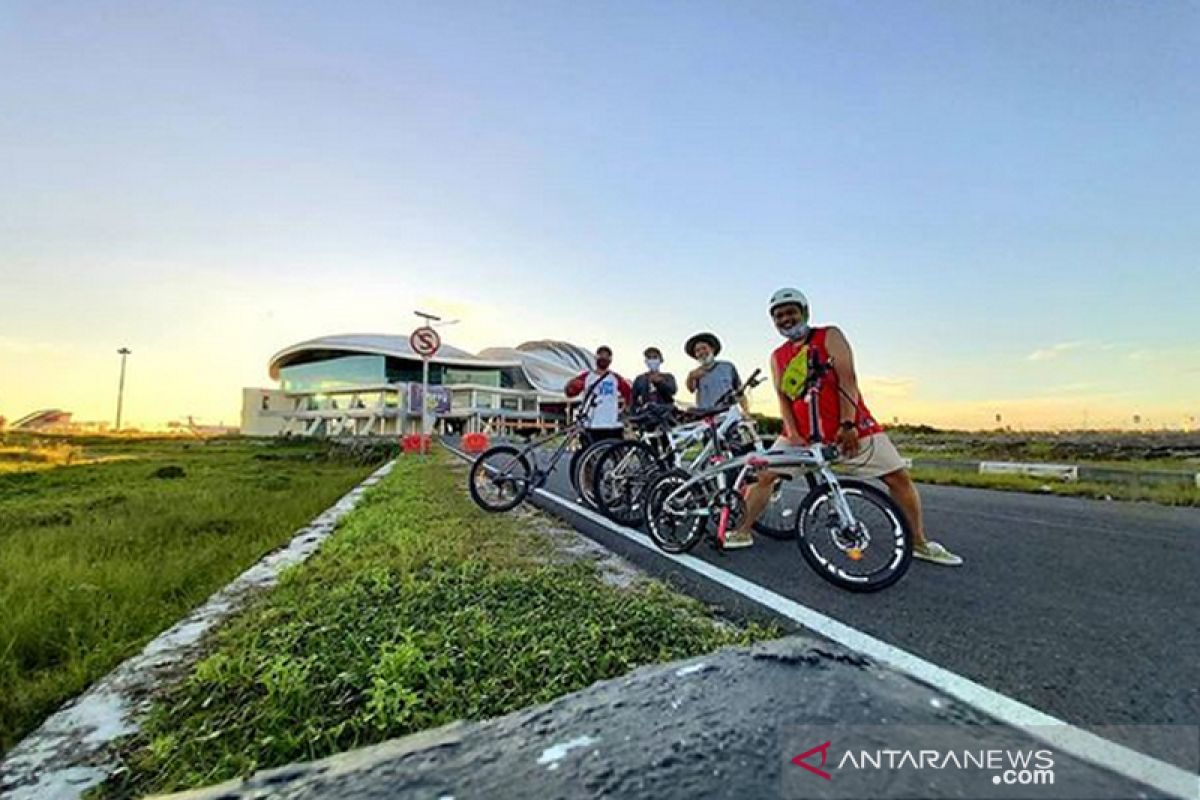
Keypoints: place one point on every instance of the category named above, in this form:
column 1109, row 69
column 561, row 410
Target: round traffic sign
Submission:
column 425, row 341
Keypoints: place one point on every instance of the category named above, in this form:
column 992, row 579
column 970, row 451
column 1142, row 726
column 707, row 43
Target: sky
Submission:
column 997, row 202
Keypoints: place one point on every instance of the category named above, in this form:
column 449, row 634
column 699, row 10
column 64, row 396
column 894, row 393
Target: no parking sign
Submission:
column 425, row 341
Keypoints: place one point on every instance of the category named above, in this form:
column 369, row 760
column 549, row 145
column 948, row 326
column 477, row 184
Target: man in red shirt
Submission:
column 611, row 393
column 842, row 417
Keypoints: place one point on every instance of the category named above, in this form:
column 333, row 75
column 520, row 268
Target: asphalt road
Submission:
column 1084, row 609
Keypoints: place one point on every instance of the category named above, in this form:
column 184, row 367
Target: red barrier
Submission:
column 415, row 443
column 475, row 442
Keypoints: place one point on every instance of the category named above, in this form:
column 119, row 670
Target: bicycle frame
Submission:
column 568, row 434
column 816, row 458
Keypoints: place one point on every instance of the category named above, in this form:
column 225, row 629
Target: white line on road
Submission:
column 1073, row 741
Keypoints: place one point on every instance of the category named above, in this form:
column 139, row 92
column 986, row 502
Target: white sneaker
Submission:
column 738, row 540
column 934, row 552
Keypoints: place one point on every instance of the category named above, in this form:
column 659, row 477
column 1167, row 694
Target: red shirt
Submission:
column 829, row 409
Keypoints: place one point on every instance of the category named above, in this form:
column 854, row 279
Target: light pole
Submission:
column 429, row 320
column 124, row 352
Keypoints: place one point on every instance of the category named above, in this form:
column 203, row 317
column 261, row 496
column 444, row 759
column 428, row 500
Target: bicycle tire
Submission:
column 585, row 485
column 521, row 485
column 621, row 497
column 778, row 519
column 899, row 538
column 659, row 522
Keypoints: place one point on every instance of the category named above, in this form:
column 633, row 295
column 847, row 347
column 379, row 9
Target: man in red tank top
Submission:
column 841, row 416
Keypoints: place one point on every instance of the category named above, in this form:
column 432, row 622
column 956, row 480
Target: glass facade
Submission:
column 454, row 375
column 335, row 373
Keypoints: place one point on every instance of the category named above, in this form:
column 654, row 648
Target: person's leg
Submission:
column 904, row 492
column 756, row 500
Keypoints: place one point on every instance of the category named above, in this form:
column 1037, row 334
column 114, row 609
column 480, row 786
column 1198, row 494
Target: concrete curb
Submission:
column 726, row 724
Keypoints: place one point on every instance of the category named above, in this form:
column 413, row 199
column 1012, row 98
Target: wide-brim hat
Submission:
column 710, row 338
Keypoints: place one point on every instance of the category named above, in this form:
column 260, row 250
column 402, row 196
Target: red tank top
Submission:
column 795, row 355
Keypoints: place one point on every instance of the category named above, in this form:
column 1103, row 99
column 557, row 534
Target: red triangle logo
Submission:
column 823, row 749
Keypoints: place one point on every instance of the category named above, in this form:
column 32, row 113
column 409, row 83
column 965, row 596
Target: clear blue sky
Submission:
column 999, row 202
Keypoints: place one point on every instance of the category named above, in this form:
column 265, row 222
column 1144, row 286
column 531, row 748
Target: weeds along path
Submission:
column 419, row 611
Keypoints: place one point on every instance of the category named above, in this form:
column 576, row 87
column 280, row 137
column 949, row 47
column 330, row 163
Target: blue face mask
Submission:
column 796, row 332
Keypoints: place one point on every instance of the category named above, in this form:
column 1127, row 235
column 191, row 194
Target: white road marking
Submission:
column 1067, row 738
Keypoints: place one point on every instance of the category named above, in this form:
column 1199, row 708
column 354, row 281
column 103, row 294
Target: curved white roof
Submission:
column 548, row 365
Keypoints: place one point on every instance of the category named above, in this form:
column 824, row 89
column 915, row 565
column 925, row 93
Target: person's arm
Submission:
column 693, row 379
column 843, row 366
column 624, row 388
column 667, row 388
column 641, row 390
column 575, row 385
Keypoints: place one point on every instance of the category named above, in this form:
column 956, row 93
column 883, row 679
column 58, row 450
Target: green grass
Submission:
column 1146, row 450
column 99, row 557
column 419, row 611
column 1174, row 495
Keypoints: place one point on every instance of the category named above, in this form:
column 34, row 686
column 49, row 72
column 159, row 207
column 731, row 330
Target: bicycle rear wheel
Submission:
column 672, row 526
column 500, row 478
column 623, row 473
column 778, row 519
column 873, row 555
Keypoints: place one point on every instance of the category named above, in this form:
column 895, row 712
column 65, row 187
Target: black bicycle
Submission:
column 502, row 477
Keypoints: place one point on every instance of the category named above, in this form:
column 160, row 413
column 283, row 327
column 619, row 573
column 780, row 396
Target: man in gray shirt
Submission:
column 712, row 379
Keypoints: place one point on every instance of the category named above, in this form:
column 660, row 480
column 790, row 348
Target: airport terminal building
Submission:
column 370, row 385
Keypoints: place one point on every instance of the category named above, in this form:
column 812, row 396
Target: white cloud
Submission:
column 883, row 386
column 1054, row 351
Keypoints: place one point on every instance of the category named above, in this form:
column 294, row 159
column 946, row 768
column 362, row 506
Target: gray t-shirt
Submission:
column 715, row 382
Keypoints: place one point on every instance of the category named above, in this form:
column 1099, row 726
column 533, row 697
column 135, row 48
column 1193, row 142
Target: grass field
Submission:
column 104, row 542
column 420, row 610
column 1163, row 494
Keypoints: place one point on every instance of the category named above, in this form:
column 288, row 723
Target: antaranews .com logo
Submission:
column 1010, row 767
column 986, row 762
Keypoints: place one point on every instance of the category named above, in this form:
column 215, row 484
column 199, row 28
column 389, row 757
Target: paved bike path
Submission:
column 1082, row 609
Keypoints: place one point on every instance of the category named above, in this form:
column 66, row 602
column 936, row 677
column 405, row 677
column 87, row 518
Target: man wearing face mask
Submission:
column 653, row 387
column 842, row 415
column 712, row 379
column 610, row 390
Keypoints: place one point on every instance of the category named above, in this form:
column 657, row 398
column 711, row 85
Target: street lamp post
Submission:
column 124, row 352
column 429, row 320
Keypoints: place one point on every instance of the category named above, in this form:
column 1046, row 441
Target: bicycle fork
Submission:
column 845, row 516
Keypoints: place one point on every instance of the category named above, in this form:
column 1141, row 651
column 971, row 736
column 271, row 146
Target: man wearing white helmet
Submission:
column 842, row 416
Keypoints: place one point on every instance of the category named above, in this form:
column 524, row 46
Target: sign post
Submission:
column 425, row 342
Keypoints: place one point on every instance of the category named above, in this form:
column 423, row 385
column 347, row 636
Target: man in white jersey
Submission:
column 610, row 390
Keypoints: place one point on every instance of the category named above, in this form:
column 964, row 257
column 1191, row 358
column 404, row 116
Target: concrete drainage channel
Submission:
column 70, row 752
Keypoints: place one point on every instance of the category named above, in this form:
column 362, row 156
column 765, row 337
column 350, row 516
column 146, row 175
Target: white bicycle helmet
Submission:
column 785, row 297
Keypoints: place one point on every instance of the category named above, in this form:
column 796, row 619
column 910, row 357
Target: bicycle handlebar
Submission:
column 733, row 395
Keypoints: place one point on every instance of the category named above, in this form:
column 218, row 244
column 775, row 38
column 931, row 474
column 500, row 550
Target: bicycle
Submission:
column 624, row 471
column 502, row 477
column 863, row 549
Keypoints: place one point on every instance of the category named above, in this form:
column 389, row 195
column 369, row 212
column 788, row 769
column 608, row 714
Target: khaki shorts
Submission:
column 877, row 456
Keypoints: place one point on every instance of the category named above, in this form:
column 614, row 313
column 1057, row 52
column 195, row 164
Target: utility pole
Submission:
column 429, row 320
column 124, row 353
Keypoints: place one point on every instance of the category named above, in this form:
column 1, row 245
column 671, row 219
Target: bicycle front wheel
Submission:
column 583, row 471
column 500, row 479
column 778, row 519
column 867, row 556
